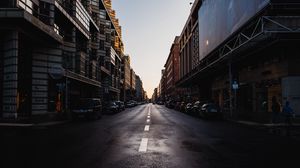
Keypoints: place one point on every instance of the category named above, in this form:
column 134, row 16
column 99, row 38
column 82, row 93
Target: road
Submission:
column 169, row 139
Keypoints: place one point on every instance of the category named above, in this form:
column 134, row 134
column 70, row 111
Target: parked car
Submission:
column 177, row 105
column 134, row 103
column 182, row 107
column 121, row 105
column 197, row 107
column 129, row 104
column 210, row 110
column 170, row 104
column 160, row 103
column 111, row 107
column 90, row 108
column 189, row 108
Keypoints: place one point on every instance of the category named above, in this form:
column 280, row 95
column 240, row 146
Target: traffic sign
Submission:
column 235, row 85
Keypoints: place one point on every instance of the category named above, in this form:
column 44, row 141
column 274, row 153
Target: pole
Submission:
column 235, row 102
column 66, row 96
column 230, row 88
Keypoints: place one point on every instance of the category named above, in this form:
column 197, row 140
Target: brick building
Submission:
column 172, row 72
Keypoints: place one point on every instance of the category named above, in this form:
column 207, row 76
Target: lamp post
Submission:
column 235, row 87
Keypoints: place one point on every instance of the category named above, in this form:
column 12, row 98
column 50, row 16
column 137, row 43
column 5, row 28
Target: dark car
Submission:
column 134, row 103
column 189, row 108
column 197, row 107
column 210, row 110
column 90, row 108
column 170, row 104
column 177, row 105
column 112, row 107
column 182, row 107
column 129, row 104
column 160, row 103
column 120, row 105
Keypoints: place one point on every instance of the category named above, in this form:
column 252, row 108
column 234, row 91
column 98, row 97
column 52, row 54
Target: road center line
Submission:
column 148, row 120
column 148, row 116
column 143, row 145
column 147, row 127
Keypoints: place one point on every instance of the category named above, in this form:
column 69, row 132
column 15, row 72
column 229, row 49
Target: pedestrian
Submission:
column 275, row 110
column 288, row 114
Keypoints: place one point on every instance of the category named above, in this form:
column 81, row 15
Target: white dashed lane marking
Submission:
column 147, row 127
column 144, row 144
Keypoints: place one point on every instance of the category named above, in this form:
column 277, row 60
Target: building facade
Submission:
column 242, row 63
column 155, row 95
column 172, row 72
column 53, row 52
column 126, row 77
column 139, row 89
column 111, row 53
column 132, row 84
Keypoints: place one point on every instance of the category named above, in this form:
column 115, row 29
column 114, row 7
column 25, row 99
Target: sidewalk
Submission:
column 24, row 125
column 32, row 122
column 276, row 129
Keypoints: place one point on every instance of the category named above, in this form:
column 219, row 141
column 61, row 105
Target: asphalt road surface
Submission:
column 131, row 139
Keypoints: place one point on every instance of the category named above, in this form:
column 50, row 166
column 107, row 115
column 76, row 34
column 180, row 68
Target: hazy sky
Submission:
column 148, row 30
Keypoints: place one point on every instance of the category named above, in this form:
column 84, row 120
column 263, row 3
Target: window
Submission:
column 95, row 2
column 102, row 14
column 44, row 14
column 102, row 29
column 107, row 37
column 56, row 29
column 82, row 15
column 68, row 60
column 102, row 45
column 28, row 6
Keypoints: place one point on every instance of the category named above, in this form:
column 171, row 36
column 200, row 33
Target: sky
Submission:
column 149, row 28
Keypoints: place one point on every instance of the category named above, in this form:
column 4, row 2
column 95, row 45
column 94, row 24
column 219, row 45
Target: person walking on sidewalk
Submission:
column 288, row 114
column 275, row 110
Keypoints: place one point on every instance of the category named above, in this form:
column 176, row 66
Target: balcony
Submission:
column 29, row 16
column 83, row 79
column 103, row 69
column 66, row 9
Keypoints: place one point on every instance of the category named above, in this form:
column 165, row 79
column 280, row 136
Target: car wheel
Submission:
column 202, row 115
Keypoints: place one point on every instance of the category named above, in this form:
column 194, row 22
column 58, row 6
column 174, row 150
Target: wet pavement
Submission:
column 146, row 136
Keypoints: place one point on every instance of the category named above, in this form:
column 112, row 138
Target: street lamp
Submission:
column 235, row 87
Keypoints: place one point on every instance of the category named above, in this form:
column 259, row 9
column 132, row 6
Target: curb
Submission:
column 15, row 125
column 270, row 128
column 30, row 125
